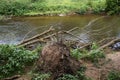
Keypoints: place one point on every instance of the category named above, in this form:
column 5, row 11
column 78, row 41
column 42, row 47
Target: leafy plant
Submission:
column 113, row 7
column 93, row 55
column 76, row 53
column 78, row 76
column 13, row 60
column 113, row 75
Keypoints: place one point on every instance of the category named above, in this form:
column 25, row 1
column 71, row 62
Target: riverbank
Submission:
column 50, row 7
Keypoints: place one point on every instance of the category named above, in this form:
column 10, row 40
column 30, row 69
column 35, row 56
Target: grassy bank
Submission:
column 50, row 7
column 15, row 60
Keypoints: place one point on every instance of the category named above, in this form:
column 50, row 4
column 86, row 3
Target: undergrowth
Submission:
column 47, row 76
column 92, row 55
column 13, row 60
column 113, row 75
column 34, row 7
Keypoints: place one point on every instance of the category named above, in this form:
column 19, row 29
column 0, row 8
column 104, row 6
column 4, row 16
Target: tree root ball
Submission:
column 55, row 58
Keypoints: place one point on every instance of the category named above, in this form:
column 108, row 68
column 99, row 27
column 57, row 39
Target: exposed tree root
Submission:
column 55, row 58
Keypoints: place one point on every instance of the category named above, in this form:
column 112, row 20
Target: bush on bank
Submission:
column 29, row 7
column 113, row 6
column 13, row 60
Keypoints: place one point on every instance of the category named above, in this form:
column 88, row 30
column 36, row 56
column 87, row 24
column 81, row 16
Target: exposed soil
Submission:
column 112, row 62
column 55, row 58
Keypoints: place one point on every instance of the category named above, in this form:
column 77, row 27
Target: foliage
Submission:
column 79, row 75
column 76, row 54
column 13, row 60
column 26, row 7
column 113, row 6
column 39, row 76
column 114, row 75
column 9, row 7
column 93, row 55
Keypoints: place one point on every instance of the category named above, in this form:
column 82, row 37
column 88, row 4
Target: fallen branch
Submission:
column 37, row 36
column 32, row 42
column 60, row 32
column 108, row 44
column 43, row 40
column 85, row 46
column 13, row 77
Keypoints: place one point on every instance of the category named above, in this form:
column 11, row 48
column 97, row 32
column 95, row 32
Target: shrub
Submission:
column 93, row 55
column 113, row 6
column 113, row 75
column 12, row 7
column 13, row 60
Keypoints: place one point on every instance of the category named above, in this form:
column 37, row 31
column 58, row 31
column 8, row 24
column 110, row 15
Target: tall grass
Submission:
column 23, row 7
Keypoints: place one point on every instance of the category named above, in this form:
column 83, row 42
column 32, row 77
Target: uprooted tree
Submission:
column 55, row 58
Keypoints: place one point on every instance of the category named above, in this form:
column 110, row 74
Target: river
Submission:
column 91, row 27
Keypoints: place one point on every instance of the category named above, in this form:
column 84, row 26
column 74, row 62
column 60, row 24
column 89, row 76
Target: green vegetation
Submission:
column 114, row 75
column 113, row 6
column 38, row 76
column 46, row 76
column 55, row 7
column 93, row 55
column 13, row 60
column 79, row 75
column 49, row 7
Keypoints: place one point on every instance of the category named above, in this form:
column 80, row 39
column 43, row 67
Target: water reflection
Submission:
column 92, row 27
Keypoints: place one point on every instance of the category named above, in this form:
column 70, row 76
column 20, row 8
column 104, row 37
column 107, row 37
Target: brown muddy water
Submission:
column 91, row 27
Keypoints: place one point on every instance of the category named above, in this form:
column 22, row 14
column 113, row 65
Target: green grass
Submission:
column 46, row 7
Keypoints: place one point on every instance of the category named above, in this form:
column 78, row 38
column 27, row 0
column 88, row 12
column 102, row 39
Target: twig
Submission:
column 32, row 42
column 60, row 32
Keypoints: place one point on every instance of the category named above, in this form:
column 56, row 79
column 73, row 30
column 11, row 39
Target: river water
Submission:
column 91, row 27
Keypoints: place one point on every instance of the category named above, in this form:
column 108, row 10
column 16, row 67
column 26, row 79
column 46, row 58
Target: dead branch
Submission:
column 32, row 42
column 35, row 39
column 66, row 32
column 109, row 43
column 72, row 29
column 105, row 40
column 37, row 36
column 85, row 46
column 13, row 77
column 60, row 32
